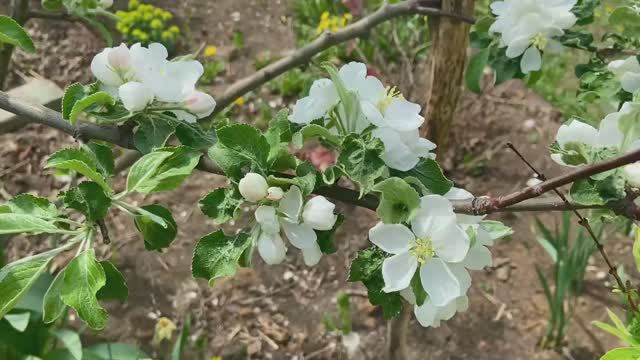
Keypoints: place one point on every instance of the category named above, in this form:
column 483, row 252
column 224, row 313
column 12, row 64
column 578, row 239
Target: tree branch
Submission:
column 329, row 39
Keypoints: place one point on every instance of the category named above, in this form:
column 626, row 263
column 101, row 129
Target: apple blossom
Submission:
column 200, row 104
column 323, row 96
column 318, row 213
column 274, row 193
column 632, row 174
column 429, row 315
column 112, row 66
column 628, row 71
column 435, row 243
column 403, row 149
column 135, row 96
column 270, row 245
column 253, row 187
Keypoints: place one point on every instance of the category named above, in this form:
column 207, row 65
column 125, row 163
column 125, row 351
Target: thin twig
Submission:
column 584, row 222
column 104, row 231
column 358, row 29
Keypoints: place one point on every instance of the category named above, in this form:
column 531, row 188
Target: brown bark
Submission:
column 449, row 39
column 397, row 331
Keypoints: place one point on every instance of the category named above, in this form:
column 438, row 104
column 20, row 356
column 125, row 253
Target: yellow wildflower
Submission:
column 166, row 36
column 133, row 4
column 239, row 101
column 325, row 15
column 216, row 358
column 156, row 24
column 210, row 51
column 174, row 29
column 164, row 331
column 147, row 16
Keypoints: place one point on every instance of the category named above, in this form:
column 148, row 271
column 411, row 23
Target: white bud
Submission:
column 632, row 173
column 271, row 248
column 318, row 213
column 253, row 187
column 200, row 104
column 135, row 96
column 274, row 193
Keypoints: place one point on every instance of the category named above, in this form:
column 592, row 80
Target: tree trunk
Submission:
column 19, row 11
column 447, row 61
column 397, row 331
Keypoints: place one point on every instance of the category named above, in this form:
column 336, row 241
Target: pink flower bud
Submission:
column 200, row 104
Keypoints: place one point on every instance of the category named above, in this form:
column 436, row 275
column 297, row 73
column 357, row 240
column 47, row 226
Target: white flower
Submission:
column 270, row 245
column 171, row 81
column 429, row 315
column 274, row 193
column 253, row 187
column 135, row 96
column 632, row 174
column 628, row 71
column 403, row 149
column 112, row 66
column 300, row 233
column 435, row 243
column 323, row 96
column 200, row 104
column 530, row 26
column 381, row 107
column 318, row 213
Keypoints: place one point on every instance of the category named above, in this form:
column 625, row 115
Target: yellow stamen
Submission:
column 423, row 250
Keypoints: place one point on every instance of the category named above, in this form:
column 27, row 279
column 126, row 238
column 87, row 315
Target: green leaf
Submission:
column 156, row 236
column 496, row 229
column 152, row 133
column 367, row 268
column 113, row 351
column 584, row 10
column 317, row 131
column 216, row 255
column 240, row 148
column 577, row 39
column 429, row 173
column 221, row 204
column 28, row 204
column 116, row 286
column 89, row 199
column 326, row 238
column 475, row 70
column 52, row 5
column 12, row 33
column 53, row 306
column 72, row 94
column 17, row 277
column 83, row 278
column 398, row 201
column 19, row 321
column 95, row 99
column 162, row 170
column 181, row 342
column 418, row 290
column 71, row 341
column 592, row 192
column 79, row 161
column 628, row 353
column 194, row 136
column 360, row 161
column 279, row 130
column 103, row 157
column 20, row 223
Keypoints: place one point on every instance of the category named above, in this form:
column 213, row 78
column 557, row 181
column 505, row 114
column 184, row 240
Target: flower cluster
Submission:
column 332, row 23
column 439, row 247
column 529, row 27
column 146, row 24
column 287, row 212
column 354, row 101
column 628, row 71
column 141, row 77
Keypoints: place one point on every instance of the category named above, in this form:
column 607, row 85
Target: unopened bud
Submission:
column 632, row 174
column 253, row 187
column 274, row 193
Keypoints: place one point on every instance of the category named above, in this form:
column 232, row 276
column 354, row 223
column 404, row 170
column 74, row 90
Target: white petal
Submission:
column 199, row 103
column 478, row 258
column 318, row 213
column 609, row 134
column 620, row 67
column 397, row 155
column 300, row 236
column 632, row 174
column 291, row 203
column 103, row 71
column 392, row 238
column 531, row 60
column 352, row 74
column 458, row 194
column 397, row 271
column 577, row 131
column 427, row 314
column 267, row 218
column 271, row 248
column 447, row 311
column 517, row 47
column 423, row 148
column 158, row 50
column 371, row 89
column 498, row 7
column 303, row 111
column 372, row 114
column 432, row 207
column 408, row 295
column 463, row 276
column 440, row 282
column 402, row 115
column 450, row 242
column 312, row 255
column 135, row 96
column 630, row 82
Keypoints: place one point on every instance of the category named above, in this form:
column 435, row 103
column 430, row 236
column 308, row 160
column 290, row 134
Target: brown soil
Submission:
column 276, row 312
